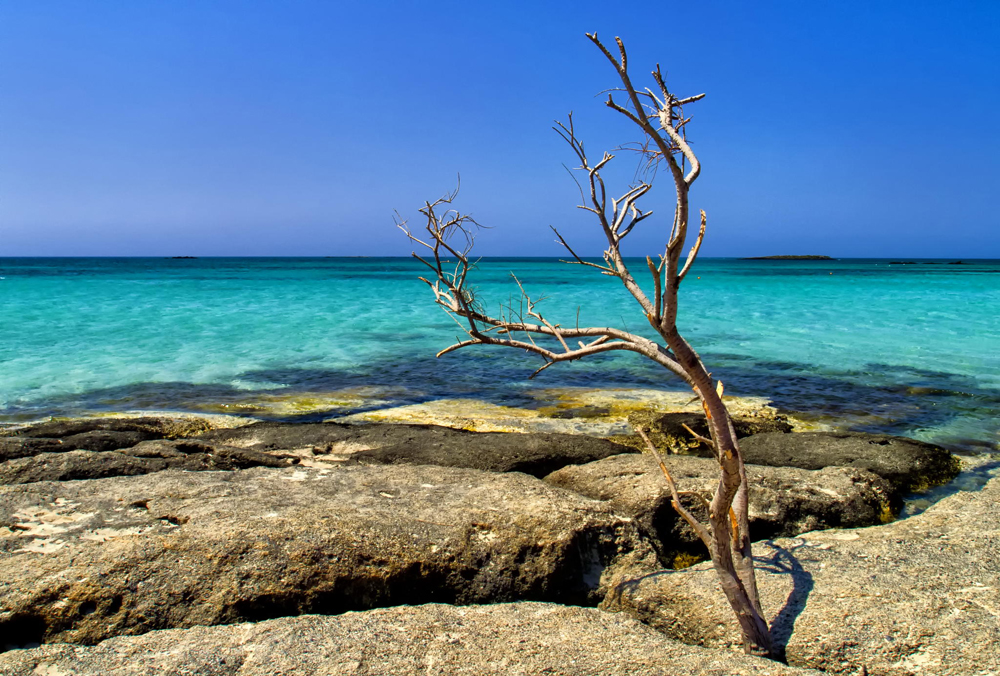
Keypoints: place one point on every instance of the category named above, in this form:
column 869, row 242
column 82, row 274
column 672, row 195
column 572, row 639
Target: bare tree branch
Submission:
column 698, row 437
column 676, row 499
column 579, row 261
column 694, row 249
column 448, row 241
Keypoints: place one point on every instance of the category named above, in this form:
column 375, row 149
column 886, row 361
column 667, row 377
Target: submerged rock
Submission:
column 502, row 639
column 907, row 464
column 784, row 501
column 920, row 595
column 387, row 444
column 86, row 560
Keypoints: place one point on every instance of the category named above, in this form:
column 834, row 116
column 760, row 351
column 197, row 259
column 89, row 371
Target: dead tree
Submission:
column 449, row 238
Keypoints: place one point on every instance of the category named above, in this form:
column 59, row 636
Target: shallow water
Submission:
column 863, row 343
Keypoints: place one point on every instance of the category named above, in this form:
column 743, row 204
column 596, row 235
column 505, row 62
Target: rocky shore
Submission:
column 382, row 544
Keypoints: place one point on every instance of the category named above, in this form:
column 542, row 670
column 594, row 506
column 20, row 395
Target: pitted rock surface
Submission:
column 152, row 427
column 145, row 458
column 907, row 464
column 389, row 444
column 28, row 453
column 12, row 448
column 75, row 465
column 784, row 501
column 502, row 639
column 82, row 561
column 917, row 596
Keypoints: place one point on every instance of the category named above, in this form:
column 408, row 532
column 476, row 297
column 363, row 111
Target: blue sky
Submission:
column 296, row 128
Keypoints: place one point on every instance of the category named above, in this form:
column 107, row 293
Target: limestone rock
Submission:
column 86, row 560
column 476, row 415
column 225, row 458
column 434, row 639
column 907, row 464
column 146, row 457
column 322, row 438
column 536, row 454
column 917, row 596
column 784, row 501
column 153, row 427
column 19, row 447
column 75, row 465
column 279, row 444
column 169, row 448
column 95, row 434
column 196, row 455
column 595, row 412
column 105, row 440
column 386, row 443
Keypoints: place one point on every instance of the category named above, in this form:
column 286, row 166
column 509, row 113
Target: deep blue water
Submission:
column 908, row 349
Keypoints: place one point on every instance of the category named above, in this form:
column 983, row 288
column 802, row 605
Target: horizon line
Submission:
column 773, row 257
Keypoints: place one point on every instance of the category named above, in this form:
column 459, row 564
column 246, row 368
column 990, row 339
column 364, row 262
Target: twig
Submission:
column 699, row 529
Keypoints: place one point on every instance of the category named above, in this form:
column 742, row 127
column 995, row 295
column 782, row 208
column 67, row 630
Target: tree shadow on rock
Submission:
column 782, row 561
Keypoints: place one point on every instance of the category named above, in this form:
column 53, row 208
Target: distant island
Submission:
column 789, row 258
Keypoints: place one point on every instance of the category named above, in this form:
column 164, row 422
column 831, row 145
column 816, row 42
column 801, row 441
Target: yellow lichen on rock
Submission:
column 297, row 403
column 467, row 414
column 686, row 560
column 590, row 411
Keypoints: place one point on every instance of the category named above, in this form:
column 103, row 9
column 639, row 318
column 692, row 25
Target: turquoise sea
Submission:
column 909, row 349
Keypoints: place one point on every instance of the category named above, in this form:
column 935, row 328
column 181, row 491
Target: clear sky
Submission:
column 196, row 127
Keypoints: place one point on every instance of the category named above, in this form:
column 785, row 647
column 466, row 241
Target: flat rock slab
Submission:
column 23, row 447
column 595, row 412
column 507, row 639
column 152, row 427
column 918, row 596
column 97, row 441
column 74, row 465
column 908, row 464
column 96, row 434
column 784, row 501
column 82, row 561
column 145, row 458
column 387, row 444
